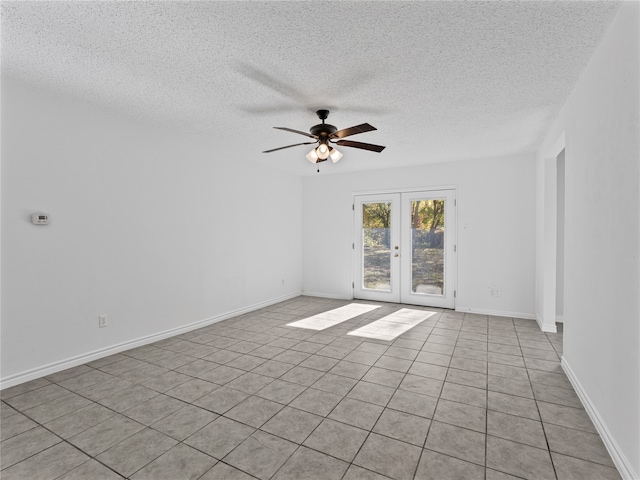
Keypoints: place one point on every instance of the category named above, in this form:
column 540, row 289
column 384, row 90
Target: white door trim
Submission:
column 403, row 190
column 451, row 220
column 359, row 291
column 448, row 298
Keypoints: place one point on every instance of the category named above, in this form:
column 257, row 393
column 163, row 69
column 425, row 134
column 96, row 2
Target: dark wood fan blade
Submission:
column 364, row 146
column 296, row 131
column 345, row 132
column 289, row 146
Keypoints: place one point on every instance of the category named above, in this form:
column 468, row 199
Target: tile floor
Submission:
column 459, row 396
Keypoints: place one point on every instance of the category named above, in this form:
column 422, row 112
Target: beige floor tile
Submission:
column 337, row 439
column 261, row 454
column 461, row 415
column 130, row 455
column 388, row 457
column 457, row 442
column 307, row 464
column 413, row 407
column 518, row 459
column 436, row 466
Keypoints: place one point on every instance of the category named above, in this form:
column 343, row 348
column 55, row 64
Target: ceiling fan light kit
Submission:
column 325, row 134
column 335, row 155
column 312, row 156
column 323, row 152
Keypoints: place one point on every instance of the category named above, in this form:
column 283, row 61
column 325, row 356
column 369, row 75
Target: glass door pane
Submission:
column 376, row 246
column 427, row 246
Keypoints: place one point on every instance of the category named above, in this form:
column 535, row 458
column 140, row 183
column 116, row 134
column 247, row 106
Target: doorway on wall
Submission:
column 560, row 169
column 404, row 247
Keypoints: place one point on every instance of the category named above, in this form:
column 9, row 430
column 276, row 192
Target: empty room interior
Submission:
column 429, row 268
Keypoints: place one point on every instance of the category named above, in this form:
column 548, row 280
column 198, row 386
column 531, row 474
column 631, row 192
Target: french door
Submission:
column 405, row 248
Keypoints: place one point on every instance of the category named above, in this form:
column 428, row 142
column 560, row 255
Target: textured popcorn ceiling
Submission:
column 440, row 80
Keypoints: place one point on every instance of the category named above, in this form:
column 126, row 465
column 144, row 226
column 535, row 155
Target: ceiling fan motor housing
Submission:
column 322, row 130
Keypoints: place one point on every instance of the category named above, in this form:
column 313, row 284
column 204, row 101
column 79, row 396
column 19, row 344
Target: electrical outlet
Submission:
column 102, row 321
column 283, row 282
column 493, row 291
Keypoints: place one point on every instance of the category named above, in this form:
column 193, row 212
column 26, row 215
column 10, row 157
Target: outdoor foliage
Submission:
column 376, row 220
column 427, row 222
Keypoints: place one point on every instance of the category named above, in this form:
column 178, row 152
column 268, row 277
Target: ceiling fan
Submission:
column 325, row 135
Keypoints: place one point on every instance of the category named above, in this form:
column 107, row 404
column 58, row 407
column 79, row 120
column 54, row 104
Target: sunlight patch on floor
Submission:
column 333, row 317
column 393, row 325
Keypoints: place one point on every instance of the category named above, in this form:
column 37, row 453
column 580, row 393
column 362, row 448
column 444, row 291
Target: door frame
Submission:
column 448, row 298
column 453, row 270
column 392, row 295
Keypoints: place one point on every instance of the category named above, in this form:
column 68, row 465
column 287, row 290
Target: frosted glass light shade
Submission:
column 322, row 151
column 312, row 156
column 335, row 155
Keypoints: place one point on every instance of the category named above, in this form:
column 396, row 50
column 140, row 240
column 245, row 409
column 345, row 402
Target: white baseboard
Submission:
column 622, row 464
column 51, row 368
column 546, row 328
column 327, row 295
column 496, row 313
column 560, row 318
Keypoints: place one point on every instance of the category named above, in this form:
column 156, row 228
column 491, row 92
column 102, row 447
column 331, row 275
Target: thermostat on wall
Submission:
column 40, row 218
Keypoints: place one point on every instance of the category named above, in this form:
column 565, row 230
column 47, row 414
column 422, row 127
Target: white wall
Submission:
column 496, row 202
column 601, row 127
column 150, row 228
